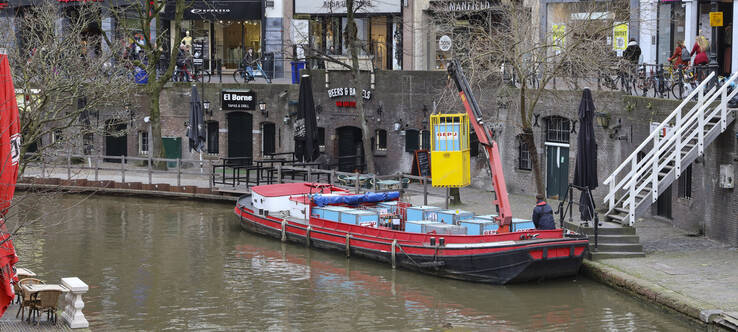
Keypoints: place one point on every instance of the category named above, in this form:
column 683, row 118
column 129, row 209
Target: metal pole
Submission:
column 357, row 182
column 425, row 190
column 123, row 169
column 445, row 201
column 97, row 165
column 149, row 167
column 179, row 172
column 69, row 164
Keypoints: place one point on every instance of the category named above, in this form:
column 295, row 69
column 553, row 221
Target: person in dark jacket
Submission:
column 633, row 52
column 543, row 214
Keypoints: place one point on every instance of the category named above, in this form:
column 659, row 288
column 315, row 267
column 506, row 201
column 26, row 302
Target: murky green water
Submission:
column 158, row 265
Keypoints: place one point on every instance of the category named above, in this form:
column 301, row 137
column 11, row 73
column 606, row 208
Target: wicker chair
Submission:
column 26, row 300
column 45, row 301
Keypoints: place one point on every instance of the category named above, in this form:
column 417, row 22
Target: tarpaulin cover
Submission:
column 9, row 158
column 323, row 200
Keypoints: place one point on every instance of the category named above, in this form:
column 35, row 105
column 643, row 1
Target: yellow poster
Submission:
column 558, row 32
column 716, row 19
column 620, row 36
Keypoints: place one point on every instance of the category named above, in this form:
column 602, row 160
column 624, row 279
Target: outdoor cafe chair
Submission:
column 45, row 301
column 26, row 299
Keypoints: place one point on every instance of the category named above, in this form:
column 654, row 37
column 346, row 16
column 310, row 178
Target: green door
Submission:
column 557, row 170
column 172, row 149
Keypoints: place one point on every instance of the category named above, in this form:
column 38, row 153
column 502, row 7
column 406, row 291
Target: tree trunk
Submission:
column 530, row 140
column 354, row 49
column 157, row 146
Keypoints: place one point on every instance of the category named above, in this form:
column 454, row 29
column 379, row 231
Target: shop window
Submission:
column 143, row 142
column 412, row 140
column 88, row 143
column 381, row 139
column 57, row 136
column 685, row 183
column 523, row 154
column 212, row 136
column 557, row 129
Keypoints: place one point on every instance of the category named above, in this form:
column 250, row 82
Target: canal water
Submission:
column 159, row 265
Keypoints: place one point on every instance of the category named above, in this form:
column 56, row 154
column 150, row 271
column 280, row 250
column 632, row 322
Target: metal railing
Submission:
column 73, row 163
column 635, row 175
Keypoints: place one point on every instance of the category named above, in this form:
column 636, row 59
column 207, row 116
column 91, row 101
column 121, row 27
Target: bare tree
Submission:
column 138, row 19
column 501, row 48
column 64, row 77
column 355, row 47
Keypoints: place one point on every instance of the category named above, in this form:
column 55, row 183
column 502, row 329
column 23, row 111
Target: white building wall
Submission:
column 648, row 30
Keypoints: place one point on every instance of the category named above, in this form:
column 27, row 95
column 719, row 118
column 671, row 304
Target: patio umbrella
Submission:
column 585, row 171
column 196, row 128
column 9, row 157
column 306, row 125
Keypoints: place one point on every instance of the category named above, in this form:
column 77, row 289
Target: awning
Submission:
column 234, row 10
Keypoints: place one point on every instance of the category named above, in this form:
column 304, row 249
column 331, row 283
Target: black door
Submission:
column 350, row 149
column 116, row 140
column 239, row 136
column 268, row 134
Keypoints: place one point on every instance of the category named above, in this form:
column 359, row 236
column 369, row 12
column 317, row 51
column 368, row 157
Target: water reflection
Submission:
column 179, row 265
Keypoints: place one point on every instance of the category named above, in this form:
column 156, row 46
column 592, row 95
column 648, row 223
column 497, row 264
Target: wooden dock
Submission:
column 8, row 322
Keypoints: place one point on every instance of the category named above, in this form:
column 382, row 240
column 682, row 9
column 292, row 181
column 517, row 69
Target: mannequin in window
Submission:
column 187, row 40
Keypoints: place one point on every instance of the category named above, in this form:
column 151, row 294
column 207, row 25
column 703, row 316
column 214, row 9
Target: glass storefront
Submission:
column 670, row 29
column 375, row 34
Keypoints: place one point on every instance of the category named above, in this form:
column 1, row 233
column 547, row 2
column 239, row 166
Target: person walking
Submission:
column 543, row 215
column 249, row 60
column 633, row 52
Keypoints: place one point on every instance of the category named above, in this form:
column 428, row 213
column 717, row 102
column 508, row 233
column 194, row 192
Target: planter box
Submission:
column 162, row 186
column 188, row 189
column 66, row 183
column 135, row 185
column 107, row 184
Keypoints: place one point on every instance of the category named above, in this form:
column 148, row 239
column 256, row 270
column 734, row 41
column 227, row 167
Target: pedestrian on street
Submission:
column 680, row 57
column 700, row 48
column 543, row 214
column 633, row 52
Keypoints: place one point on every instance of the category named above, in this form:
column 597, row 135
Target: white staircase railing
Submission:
column 664, row 154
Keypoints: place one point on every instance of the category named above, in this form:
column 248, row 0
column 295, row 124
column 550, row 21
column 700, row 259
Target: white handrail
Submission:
column 661, row 126
column 689, row 126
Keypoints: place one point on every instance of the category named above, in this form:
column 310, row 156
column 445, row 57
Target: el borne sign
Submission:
column 238, row 100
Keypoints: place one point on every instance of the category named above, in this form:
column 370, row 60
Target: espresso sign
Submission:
column 238, row 100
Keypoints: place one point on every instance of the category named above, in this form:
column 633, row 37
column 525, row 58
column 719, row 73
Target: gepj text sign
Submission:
column 238, row 100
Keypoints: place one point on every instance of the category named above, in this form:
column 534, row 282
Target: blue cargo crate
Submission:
column 453, row 216
column 360, row 217
column 418, row 226
column 487, row 217
column 333, row 213
column 479, row 226
column 391, row 206
column 519, row 225
column 422, row 212
column 316, row 212
column 444, row 229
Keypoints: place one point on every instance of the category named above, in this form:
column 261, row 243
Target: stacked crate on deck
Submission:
column 422, row 213
column 479, row 226
column 452, row 217
column 519, row 225
column 419, row 226
column 333, row 213
column 445, row 229
column 360, row 217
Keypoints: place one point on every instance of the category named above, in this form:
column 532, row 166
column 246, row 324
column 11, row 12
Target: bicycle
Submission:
column 181, row 74
column 684, row 84
column 242, row 74
column 618, row 78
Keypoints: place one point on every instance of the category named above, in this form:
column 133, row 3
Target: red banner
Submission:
column 9, row 158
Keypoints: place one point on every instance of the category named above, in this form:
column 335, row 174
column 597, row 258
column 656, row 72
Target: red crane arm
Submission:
column 485, row 136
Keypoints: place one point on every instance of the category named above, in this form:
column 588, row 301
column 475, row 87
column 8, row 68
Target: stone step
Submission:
column 607, row 228
column 605, row 255
column 614, row 239
column 615, row 247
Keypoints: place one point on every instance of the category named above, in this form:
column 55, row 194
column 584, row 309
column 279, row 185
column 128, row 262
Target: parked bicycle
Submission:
column 618, row 77
column 182, row 74
column 249, row 73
